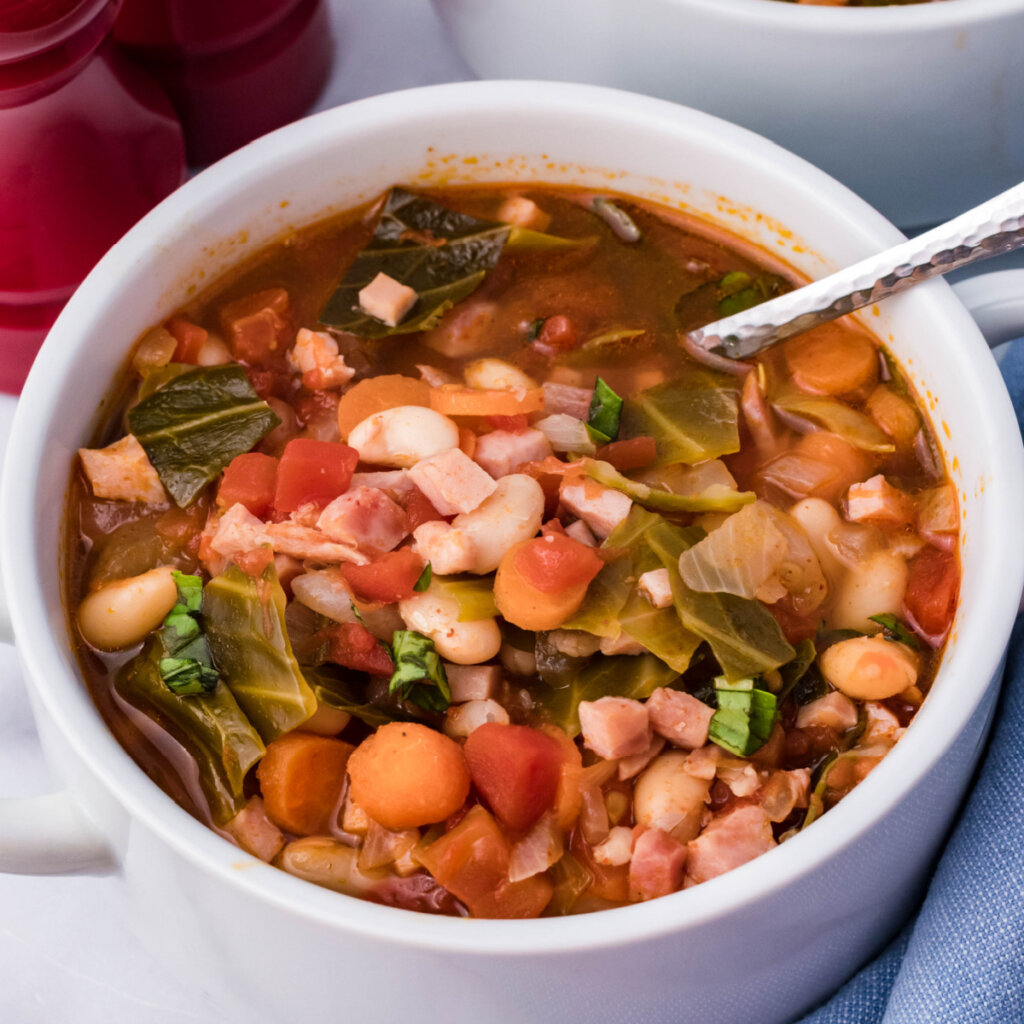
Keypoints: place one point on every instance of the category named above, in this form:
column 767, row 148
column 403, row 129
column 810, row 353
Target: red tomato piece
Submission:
column 190, row 338
column 419, row 509
column 312, row 473
column 634, row 453
column 471, row 862
column 389, row 579
column 249, row 480
column 352, row 645
column 557, row 334
column 555, row 563
column 552, row 526
column 252, row 563
column 258, row 327
column 932, row 586
column 516, row 770
column 513, row 424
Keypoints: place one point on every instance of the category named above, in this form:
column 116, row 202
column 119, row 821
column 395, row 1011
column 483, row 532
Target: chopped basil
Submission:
column 419, row 675
column 424, row 581
column 194, row 425
column 620, row 222
column 895, row 630
column 186, row 665
column 605, row 413
column 534, row 328
column 745, row 716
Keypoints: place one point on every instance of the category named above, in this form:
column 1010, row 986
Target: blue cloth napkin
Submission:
column 961, row 959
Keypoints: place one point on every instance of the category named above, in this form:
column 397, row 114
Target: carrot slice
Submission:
column 453, row 400
column 375, row 394
column 832, row 360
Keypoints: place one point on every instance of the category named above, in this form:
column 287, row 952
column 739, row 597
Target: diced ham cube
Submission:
column 630, row 766
column 315, row 356
column 567, row 399
column 304, row 542
column 581, row 532
column 615, row 726
column 656, row 587
column 452, row 482
column 122, row 471
column 465, row 331
column 462, row 719
column 877, row 501
column 395, row 483
column 835, row 711
column 728, row 841
column 601, row 508
column 472, row 682
column 679, row 717
column 447, row 549
column 366, row 518
column 523, row 213
column 616, row 848
column 882, row 725
column 255, row 832
column 740, row 776
column 657, row 865
column 387, row 300
column 502, row 452
column 239, row 531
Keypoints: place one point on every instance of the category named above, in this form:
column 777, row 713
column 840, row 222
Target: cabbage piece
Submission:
column 606, row 595
column 691, row 419
column 715, row 497
column 660, row 631
column 859, row 430
column 245, row 624
column 211, row 727
column 473, row 594
column 744, row 637
column 635, row 676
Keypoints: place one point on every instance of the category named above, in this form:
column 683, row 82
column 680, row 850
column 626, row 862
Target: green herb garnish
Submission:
column 186, row 665
column 534, row 328
column 605, row 413
column 895, row 630
column 419, row 675
column 424, row 581
column 745, row 716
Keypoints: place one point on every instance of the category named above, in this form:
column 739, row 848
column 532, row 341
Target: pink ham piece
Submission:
column 657, row 865
column 395, row 483
column 680, row 718
column 237, row 532
column 877, row 501
column 452, row 482
column 630, row 766
column 729, row 841
column 601, row 508
column 255, row 832
column 122, row 471
column 834, row 710
column 366, row 518
column 656, row 587
column 387, row 300
column 472, row 682
column 502, row 452
column 615, row 726
column 567, row 399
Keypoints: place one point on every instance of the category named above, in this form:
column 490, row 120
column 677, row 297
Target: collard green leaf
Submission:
column 441, row 254
column 635, row 676
column 691, row 419
column 896, row 630
column 794, row 671
column 194, row 425
column 212, row 727
column 244, row 619
column 743, row 635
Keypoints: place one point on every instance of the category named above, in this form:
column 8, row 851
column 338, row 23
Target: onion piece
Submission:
column 538, row 850
column 566, row 434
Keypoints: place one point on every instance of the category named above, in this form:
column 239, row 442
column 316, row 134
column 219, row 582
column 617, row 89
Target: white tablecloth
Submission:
column 66, row 956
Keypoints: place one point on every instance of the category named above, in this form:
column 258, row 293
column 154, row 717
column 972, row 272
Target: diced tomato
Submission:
column 513, row 424
column 312, row 473
column 552, row 526
column 932, row 585
column 249, row 480
column 556, row 562
column 419, row 509
column 258, row 327
column 190, row 338
column 471, row 862
column 352, row 645
column 516, row 769
column 252, row 563
column 389, row 579
column 557, row 334
column 634, row 453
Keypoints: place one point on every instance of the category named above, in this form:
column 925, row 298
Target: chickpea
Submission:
column 124, row 612
column 869, row 667
column 668, row 797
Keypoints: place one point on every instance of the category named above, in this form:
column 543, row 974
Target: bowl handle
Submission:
column 996, row 301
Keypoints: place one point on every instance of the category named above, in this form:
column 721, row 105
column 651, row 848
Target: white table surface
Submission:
column 66, row 956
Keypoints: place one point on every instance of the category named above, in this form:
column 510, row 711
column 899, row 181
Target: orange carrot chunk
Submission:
column 832, row 360
column 454, row 400
column 375, row 394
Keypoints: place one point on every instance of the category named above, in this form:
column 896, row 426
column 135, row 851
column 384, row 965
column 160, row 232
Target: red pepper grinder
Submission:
column 87, row 145
column 234, row 69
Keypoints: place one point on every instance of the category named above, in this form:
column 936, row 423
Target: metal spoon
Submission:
column 994, row 227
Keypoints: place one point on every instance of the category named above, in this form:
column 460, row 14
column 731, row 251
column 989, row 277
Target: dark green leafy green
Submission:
column 186, row 665
column 211, row 726
column 604, row 414
column 425, row 577
column 743, row 635
column 691, row 419
column 245, row 624
column 335, row 687
column 740, row 291
column 745, row 717
column 197, row 423
column 419, row 676
column 155, row 377
column 635, row 676
column 895, row 630
column 556, row 668
column 794, row 671
column 441, row 254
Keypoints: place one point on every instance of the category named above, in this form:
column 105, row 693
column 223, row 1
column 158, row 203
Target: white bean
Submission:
column 124, row 612
column 873, row 587
column 496, row 375
column 329, row 863
column 666, row 796
column 461, row 719
column 437, row 616
column 214, row 352
column 403, row 436
column 869, row 667
column 513, row 513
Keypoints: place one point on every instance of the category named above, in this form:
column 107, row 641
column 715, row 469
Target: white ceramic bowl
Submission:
column 758, row 944
column 917, row 108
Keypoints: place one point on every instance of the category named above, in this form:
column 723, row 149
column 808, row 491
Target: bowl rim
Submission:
column 70, row 707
